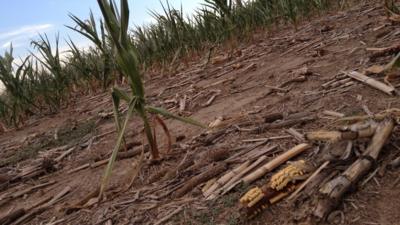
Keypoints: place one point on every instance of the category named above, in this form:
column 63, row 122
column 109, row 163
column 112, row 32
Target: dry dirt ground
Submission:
column 327, row 46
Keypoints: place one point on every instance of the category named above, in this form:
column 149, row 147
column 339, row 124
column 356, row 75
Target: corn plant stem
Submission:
column 113, row 157
column 117, row 118
column 149, row 134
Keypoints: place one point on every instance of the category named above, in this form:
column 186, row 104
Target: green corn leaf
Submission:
column 87, row 30
column 116, row 103
column 124, row 23
column 120, row 94
column 395, row 63
column 117, row 146
column 111, row 20
column 165, row 113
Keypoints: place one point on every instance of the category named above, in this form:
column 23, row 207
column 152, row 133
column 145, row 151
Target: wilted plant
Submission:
column 126, row 58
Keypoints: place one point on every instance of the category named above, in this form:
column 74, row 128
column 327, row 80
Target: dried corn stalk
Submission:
column 392, row 112
column 333, row 191
column 224, row 179
column 213, row 171
column 235, row 180
column 275, row 163
column 335, row 136
column 372, row 82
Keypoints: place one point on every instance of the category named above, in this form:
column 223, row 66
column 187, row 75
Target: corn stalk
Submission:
column 116, row 24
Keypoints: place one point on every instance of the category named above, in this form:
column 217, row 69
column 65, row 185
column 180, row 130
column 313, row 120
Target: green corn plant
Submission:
column 223, row 7
column 4, row 110
column 289, row 9
column 41, row 83
column 18, row 100
column 87, row 67
column 77, row 64
column 127, row 61
column 50, row 60
column 392, row 7
column 89, row 30
column 215, row 22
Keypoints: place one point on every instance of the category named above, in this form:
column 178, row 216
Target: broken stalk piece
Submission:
column 333, row 191
column 335, row 136
column 280, row 186
column 372, row 82
column 275, row 163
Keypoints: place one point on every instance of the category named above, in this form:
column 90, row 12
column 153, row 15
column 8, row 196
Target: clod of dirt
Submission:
column 180, row 138
column 49, row 165
column 210, row 156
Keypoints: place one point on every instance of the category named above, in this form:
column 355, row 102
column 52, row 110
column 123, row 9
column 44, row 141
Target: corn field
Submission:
column 44, row 82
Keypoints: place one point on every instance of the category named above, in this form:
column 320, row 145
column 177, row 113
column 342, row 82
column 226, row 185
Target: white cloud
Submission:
column 26, row 31
column 6, row 45
column 21, row 36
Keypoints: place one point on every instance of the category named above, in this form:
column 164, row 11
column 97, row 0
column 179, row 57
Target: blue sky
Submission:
column 23, row 20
